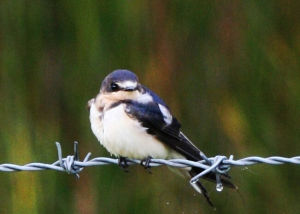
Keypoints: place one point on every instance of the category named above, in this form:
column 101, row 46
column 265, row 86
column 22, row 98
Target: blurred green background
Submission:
column 229, row 71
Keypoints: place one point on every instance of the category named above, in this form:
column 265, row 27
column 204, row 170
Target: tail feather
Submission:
column 198, row 186
column 201, row 189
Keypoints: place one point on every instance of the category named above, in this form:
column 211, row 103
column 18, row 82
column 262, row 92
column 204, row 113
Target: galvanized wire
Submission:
column 220, row 165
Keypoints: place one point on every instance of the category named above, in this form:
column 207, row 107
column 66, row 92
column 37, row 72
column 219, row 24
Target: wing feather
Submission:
column 152, row 118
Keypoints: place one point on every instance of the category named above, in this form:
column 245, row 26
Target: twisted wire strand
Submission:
column 220, row 165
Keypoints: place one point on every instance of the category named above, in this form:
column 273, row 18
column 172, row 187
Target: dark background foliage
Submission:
column 229, row 71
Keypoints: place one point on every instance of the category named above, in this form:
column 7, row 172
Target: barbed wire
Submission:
column 220, row 165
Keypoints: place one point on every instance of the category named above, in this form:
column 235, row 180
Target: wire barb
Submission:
column 220, row 165
column 68, row 163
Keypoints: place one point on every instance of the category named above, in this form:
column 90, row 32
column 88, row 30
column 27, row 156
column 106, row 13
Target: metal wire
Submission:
column 220, row 165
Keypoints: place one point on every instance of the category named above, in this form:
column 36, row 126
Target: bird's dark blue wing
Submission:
column 152, row 118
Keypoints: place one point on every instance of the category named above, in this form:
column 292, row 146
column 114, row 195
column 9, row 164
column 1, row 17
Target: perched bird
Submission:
column 131, row 121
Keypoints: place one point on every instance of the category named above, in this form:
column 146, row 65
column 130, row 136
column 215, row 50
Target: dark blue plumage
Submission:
column 155, row 97
column 118, row 76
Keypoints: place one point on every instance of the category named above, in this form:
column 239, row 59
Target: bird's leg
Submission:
column 123, row 163
column 146, row 163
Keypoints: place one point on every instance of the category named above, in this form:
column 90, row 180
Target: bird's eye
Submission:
column 114, row 86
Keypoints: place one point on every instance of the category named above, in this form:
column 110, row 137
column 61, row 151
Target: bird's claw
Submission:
column 146, row 163
column 122, row 162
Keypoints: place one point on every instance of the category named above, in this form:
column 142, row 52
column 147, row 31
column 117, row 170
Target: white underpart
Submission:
column 124, row 136
column 166, row 114
column 128, row 84
column 95, row 119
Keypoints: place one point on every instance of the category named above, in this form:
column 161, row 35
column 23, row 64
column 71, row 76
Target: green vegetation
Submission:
column 229, row 70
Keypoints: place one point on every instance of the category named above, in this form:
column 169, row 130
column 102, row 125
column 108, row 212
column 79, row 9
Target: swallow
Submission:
column 131, row 121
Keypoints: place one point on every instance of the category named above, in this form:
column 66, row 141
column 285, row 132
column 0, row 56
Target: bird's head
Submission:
column 120, row 81
column 121, row 85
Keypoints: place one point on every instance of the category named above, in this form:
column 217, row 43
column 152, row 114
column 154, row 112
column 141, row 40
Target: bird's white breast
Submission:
column 124, row 136
column 96, row 118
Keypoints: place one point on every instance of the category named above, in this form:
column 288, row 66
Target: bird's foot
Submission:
column 123, row 163
column 146, row 163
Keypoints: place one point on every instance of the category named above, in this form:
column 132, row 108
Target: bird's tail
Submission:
column 198, row 186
